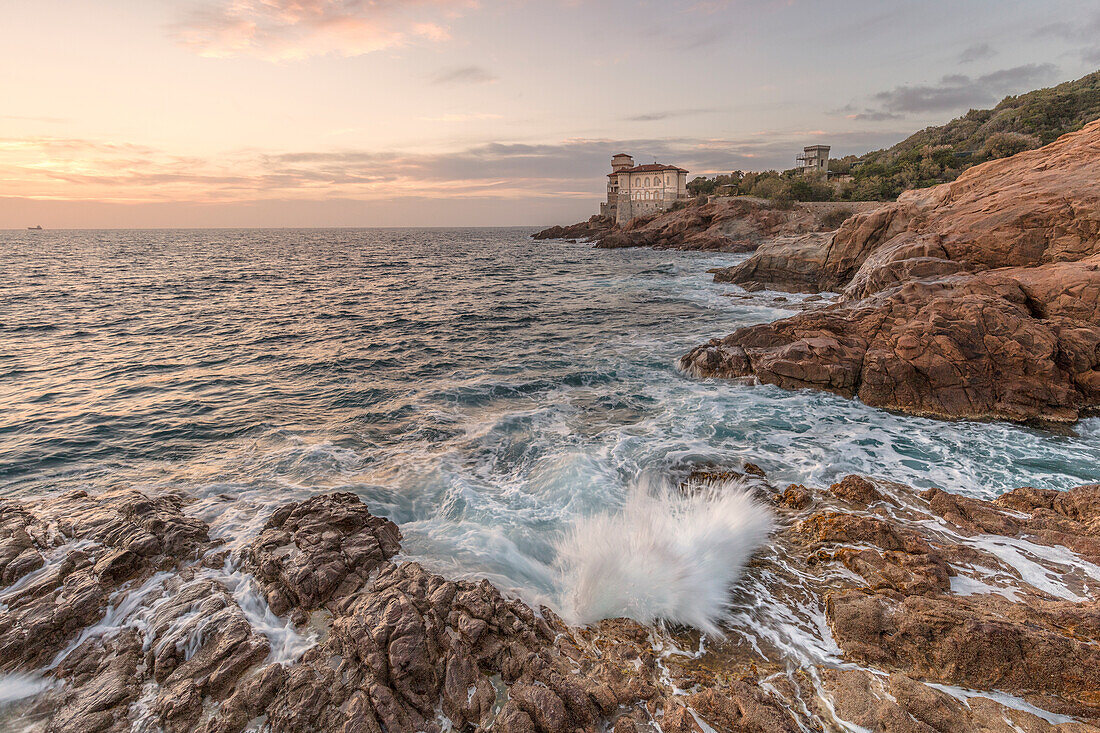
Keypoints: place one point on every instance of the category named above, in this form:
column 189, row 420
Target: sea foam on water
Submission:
column 665, row 556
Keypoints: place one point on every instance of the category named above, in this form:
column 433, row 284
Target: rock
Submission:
column 594, row 227
column 794, row 496
column 986, row 644
column 318, row 550
column 975, row 299
column 411, row 650
column 719, row 224
column 742, row 707
column 791, row 263
column 900, row 704
column 857, row 490
column 123, row 535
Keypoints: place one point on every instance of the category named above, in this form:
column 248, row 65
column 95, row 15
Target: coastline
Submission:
column 867, row 568
column 871, row 605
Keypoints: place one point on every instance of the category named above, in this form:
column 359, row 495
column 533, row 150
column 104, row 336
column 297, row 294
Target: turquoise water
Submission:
column 482, row 390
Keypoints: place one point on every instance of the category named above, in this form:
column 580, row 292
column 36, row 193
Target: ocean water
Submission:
column 484, row 391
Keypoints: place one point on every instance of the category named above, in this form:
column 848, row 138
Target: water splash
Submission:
column 666, row 556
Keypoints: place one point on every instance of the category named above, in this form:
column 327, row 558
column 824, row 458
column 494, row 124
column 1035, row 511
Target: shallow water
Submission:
column 481, row 390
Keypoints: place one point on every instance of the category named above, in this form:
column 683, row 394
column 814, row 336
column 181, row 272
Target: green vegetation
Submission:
column 933, row 155
column 785, row 186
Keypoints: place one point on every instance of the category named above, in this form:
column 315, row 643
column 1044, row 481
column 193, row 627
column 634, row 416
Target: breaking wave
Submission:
column 666, row 556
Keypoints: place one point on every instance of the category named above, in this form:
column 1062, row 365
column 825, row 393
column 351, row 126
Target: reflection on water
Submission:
column 480, row 389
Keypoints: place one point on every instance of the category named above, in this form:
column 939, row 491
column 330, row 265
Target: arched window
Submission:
column 647, row 182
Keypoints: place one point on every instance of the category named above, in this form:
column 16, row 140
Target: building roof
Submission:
column 651, row 168
column 622, row 155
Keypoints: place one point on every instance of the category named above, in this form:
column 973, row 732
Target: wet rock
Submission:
column 594, row 227
column 410, row 650
column 99, row 543
column 900, row 704
column 743, row 707
column 104, row 682
column 795, row 496
column 319, row 550
column 856, row 489
column 987, row 643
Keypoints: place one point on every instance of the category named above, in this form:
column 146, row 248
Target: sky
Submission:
column 300, row 113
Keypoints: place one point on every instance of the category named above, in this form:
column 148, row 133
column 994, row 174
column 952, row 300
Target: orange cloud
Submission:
column 73, row 169
column 280, row 30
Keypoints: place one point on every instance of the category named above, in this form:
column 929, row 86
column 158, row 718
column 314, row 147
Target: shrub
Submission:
column 834, row 218
column 1005, row 144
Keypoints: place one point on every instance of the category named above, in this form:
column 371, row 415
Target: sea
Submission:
column 485, row 391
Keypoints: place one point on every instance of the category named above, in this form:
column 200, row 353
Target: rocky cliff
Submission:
column 874, row 606
column 737, row 224
column 978, row 298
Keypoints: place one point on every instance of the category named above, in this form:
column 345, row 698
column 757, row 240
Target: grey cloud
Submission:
column 464, row 75
column 958, row 91
column 976, row 52
column 549, row 168
column 1084, row 31
column 874, row 116
column 668, row 114
column 866, row 114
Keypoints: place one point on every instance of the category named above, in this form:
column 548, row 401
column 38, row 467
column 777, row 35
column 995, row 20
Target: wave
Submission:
column 666, row 556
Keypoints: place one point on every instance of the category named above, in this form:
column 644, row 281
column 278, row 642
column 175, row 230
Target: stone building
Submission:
column 814, row 159
column 643, row 189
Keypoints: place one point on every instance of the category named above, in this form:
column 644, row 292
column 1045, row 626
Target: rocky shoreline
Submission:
column 872, row 607
column 738, row 224
column 975, row 299
column 913, row 611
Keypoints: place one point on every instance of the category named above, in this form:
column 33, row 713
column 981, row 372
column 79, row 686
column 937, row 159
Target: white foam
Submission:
column 966, row 585
column 1041, row 566
column 17, row 686
column 1009, row 701
column 664, row 557
column 287, row 645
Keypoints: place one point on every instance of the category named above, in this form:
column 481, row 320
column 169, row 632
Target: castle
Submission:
column 643, row 189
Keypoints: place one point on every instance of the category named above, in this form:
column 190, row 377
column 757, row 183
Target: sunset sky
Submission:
column 149, row 113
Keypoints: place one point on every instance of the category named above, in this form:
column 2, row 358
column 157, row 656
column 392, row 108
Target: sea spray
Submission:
column 666, row 556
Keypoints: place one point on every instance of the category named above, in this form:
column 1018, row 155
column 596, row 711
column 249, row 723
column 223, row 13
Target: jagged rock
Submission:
column 318, row 550
column 856, row 489
column 899, row 704
column 594, row 227
column 122, row 536
column 989, row 643
column 795, row 496
column 978, row 298
column 410, row 650
column 719, row 224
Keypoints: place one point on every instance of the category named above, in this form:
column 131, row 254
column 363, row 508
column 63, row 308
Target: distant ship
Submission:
column 37, row 228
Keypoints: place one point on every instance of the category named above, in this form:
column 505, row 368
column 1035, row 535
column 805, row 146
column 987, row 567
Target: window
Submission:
column 647, row 182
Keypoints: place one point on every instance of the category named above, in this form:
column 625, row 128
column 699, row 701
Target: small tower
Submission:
column 814, row 158
column 621, row 162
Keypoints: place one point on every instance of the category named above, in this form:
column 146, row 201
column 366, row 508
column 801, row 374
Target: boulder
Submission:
column 974, row 299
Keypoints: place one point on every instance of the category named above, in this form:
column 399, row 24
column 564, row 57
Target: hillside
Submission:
column 939, row 154
column 1045, row 114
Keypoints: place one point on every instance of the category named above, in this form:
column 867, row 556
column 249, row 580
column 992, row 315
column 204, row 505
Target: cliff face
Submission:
column 978, row 298
column 722, row 224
